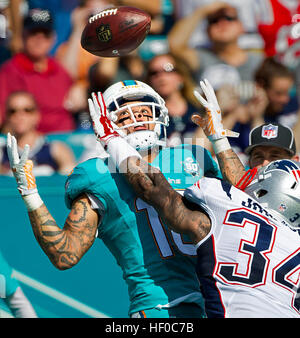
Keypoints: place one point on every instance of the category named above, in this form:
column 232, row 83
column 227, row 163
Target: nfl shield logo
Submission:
column 104, row 33
column 269, row 131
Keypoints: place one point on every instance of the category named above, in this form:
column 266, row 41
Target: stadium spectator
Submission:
column 224, row 29
column 172, row 80
column 270, row 142
column 250, row 39
column 11, row 23
column 156, row 41
column 242, row 103
column 110, row 70
column 61, row 12
column 77, row 60
column 224, row 62
column 155, row 8
column 152, row 7
column 34, row 71
column 275, row 20
column 277, row 81
column 12, row 293
column 22, row 118
column 271, row 100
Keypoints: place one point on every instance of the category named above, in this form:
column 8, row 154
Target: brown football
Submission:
column 115, row 31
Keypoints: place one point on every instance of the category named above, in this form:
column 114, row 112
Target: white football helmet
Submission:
column 124, row 92
column 277, row 187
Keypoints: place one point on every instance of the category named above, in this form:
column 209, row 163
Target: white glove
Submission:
column 22, row 170
column 113, row 143
column 103, row 128
column 21, row 167
column 211, row 123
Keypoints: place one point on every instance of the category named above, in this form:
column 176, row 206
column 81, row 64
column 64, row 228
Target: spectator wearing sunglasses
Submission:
column 22, row 118
column 35, row 71
column 224, row 30
column 172, row 80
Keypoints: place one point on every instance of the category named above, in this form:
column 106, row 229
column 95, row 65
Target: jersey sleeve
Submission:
column 211, row 195
column 196, row 193
column 215, row 197
column 78, row 183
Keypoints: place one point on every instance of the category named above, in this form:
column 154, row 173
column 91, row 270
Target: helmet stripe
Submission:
column 129, row 83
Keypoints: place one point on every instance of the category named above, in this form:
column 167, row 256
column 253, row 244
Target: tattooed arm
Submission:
column 66, row 246
column 231, row 166
column 179, row 214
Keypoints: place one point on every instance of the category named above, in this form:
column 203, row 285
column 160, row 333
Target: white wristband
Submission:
column 120, row 150
column 32, row 201
column 220, row 145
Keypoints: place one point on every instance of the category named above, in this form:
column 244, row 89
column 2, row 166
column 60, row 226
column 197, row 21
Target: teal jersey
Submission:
column 158, row 265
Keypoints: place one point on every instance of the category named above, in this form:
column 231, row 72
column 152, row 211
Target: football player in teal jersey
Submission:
column 158, row 265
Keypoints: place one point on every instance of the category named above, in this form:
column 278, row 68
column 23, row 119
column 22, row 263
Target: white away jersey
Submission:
column 249, row 263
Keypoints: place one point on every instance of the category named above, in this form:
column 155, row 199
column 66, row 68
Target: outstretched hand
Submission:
column 103, row 128
column 21, row 167
column 211, row 123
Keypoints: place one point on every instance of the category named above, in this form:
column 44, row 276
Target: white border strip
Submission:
column 57, row 295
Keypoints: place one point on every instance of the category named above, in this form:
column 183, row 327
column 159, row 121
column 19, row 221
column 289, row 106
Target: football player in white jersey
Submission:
column 248, row 242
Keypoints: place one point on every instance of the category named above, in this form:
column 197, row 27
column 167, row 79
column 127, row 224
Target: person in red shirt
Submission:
column 34, row 71
column 276, row 19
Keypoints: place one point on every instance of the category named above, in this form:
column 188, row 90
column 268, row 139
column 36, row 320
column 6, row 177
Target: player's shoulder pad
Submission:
column 82, row 177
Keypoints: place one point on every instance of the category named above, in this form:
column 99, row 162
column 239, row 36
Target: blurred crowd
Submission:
column 248, row 50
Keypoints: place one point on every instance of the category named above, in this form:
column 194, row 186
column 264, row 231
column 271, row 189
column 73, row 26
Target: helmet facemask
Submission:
column 127, row 100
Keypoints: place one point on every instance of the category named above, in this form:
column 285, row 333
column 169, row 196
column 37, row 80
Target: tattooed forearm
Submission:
column 183, row 216
column 147, row 181
column 231, row 166
column 66, row 246
column 150, row 184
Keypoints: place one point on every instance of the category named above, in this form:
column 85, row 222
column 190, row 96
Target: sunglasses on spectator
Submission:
column 25, row 109
column 167, row 68
column 212, row 21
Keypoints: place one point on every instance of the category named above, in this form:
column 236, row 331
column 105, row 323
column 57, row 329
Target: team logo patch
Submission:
column 104, row 33
column 191, row 166
column 283, row 165
column 269, row 131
